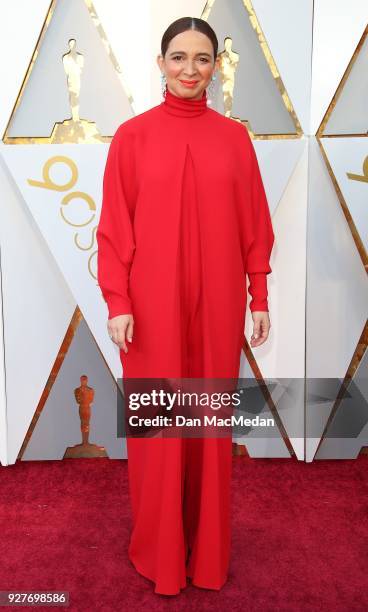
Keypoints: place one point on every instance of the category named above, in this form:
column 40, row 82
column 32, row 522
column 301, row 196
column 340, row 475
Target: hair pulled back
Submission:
column 188, row 23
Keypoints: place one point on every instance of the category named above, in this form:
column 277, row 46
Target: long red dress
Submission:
column 184, row 218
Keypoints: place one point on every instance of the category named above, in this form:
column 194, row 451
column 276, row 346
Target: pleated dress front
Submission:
column 184, row 218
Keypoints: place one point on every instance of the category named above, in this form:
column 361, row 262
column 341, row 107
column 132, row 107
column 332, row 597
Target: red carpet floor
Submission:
column 300, row 537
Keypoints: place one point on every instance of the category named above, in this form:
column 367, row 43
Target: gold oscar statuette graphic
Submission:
column 229, row 60
column 73, row 63
column 84, row 397
column 74, row 129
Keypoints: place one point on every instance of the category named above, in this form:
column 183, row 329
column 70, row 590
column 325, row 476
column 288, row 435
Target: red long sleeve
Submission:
column 114, row 235
column 259, row 246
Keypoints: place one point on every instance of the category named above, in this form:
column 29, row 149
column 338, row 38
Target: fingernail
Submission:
column 129, row 339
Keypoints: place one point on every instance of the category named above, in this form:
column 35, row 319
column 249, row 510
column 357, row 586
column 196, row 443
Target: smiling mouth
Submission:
column 188, row 82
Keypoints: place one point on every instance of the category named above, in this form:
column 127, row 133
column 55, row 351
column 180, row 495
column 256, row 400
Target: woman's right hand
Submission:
column 120, row 329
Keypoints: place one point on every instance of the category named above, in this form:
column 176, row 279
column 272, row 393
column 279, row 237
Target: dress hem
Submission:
column 193, row 582
column 149, row 577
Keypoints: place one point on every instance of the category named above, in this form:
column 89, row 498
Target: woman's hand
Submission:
column 120, row 329
column 261, row 327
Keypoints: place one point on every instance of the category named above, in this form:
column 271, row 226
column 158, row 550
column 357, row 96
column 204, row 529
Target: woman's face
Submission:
column 189, row 57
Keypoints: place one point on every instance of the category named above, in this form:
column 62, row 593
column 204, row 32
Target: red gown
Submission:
column 184, row 218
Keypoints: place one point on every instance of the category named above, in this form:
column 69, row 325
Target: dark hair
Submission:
column 188, row 23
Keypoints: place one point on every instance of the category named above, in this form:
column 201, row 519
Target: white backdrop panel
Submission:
column 38, row 307
column 66, row 242
column 337, row 28
column 3, row 423
column 287, row 25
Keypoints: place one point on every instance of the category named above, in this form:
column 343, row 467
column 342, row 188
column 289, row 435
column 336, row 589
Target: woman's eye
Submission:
column 203, row 60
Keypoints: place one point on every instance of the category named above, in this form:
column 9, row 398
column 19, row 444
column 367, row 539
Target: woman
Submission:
column 184, row 219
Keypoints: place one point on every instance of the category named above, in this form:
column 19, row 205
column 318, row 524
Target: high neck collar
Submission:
column 184, row 107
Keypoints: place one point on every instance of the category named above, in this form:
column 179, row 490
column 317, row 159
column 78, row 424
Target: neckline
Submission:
column 184, row 107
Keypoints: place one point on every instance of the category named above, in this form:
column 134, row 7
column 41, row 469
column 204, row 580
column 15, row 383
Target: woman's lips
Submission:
column 188, row 83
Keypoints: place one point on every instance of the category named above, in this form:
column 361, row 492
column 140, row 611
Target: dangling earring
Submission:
column 163, row 84
column 210, row 90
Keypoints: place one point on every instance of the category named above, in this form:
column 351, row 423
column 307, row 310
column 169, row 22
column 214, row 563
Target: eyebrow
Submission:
column 183, row 52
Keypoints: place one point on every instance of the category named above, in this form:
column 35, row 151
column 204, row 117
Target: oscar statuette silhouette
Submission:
column 84, row 396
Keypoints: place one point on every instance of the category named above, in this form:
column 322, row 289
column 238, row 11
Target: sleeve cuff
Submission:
column 119, row 306
column 258, row 290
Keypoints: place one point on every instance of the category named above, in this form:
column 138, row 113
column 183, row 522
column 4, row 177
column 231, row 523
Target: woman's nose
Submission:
column 190, row 68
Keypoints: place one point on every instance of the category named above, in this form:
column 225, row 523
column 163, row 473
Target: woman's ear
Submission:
column 159, row 61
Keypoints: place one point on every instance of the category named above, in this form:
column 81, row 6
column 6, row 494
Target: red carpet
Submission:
column 300, row 537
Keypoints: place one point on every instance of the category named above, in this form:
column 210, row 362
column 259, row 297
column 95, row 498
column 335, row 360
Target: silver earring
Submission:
column 210, row 90
column 163, row 84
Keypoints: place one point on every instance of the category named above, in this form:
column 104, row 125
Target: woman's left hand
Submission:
column 261, row 327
